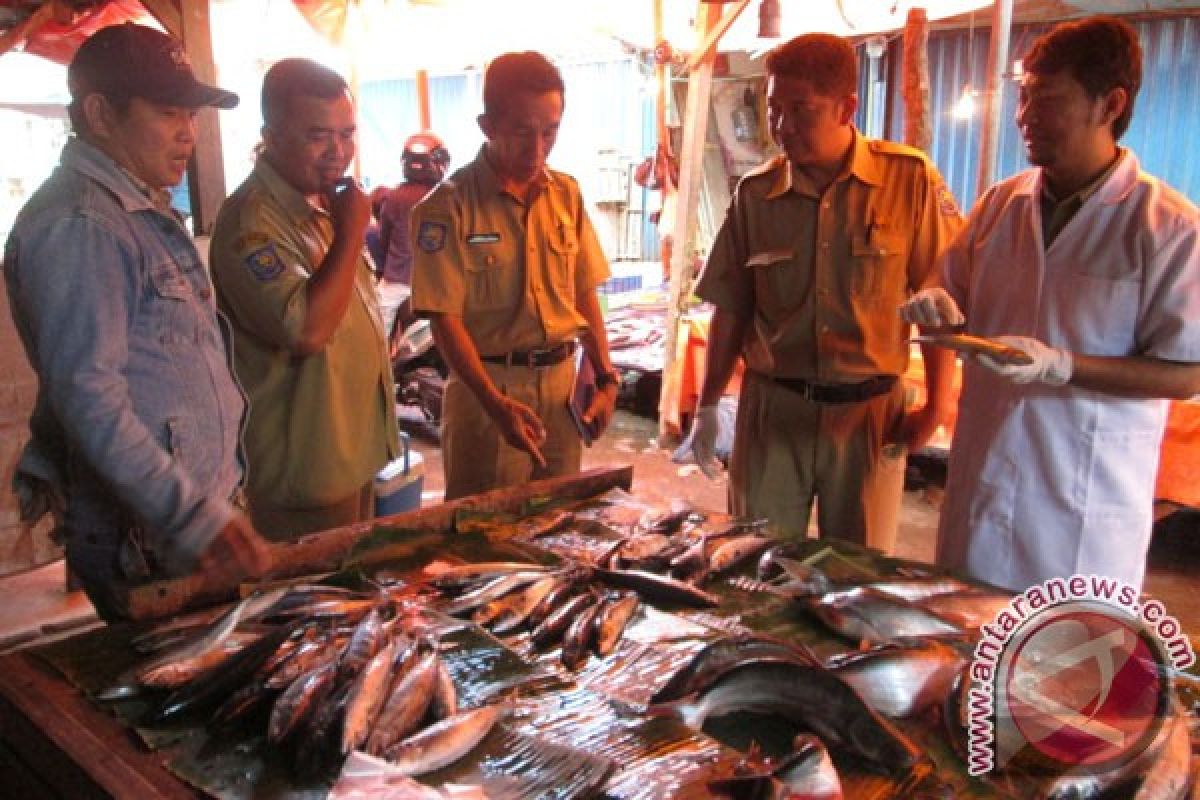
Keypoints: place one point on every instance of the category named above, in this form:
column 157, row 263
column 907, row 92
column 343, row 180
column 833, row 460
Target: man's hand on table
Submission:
column 238, row 547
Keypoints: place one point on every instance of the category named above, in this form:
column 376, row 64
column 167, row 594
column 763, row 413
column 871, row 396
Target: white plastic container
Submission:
column 398, row 485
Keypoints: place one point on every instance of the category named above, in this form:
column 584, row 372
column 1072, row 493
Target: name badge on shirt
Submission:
column 483, row 238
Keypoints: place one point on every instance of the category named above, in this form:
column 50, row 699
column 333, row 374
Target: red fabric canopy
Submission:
column 58, row 41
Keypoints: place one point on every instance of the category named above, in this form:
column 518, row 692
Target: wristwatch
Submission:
column 606, row 379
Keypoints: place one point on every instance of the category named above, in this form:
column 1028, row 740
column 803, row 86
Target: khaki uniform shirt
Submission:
column 820, row 275
column 510, row 271
column 320, row 426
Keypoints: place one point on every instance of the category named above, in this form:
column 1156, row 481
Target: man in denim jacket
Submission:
column 137, row 421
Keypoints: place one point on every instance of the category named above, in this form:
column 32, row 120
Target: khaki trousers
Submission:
column 279, row 524
column 475, row 455
column 788, row 452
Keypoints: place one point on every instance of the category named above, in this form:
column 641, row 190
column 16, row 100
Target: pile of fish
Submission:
column 324, row 672
column 564, row 607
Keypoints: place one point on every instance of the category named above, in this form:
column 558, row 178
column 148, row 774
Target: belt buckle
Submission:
column 808, row 393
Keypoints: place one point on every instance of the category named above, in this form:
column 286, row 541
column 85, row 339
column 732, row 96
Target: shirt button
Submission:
column 824, row 245
column 490, row 260
column 826, row 205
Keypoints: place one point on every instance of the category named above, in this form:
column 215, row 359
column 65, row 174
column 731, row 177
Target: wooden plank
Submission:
column 206, row 174
column 691, row 179
column 73, row 747
column 320, row 552
column 168, row 15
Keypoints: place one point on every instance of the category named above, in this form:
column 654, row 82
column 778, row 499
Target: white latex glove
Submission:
column 1050, row 365
column 701, row 443
column 932, row 308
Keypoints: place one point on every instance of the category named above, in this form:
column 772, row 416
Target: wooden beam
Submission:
column 324, row 551
column 691, row 179
column 206, row 174
column 168, row 15
column 709, row 44
column 1002, row 14
column 423, row 112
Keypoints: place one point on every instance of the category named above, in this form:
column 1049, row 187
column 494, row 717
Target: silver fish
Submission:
column 901, row 681
column 721, row 656
column 808, row 772
column 970, row 609
column 443, row 743
column 498, row 587
column 735, row 552
column 814, row 698
column 508, row 612
column 366, row 697
column 658, row 588
column 445, row 695
column 611, row 620
column 407, row 701
column 578, row 637
column 299, row 701
column 553, row 627
column 869, row 616
column 914, row 590
column 209, row 647
column 794, row 578
column 451, row 578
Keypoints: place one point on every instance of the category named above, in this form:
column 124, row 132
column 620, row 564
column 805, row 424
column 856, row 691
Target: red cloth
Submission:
column 58, row 42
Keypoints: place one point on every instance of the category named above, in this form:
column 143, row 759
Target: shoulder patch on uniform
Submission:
column 431, row 236
column 946, row 203
column 260, row 256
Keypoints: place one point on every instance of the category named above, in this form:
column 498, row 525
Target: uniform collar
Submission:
column 292, row 201
column 862, row 164
column 490, row 181
column 89, row 160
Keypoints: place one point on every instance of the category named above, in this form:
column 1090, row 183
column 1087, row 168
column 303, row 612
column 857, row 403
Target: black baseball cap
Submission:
column 131, row 60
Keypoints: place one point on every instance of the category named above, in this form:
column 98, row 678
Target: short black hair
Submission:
column 511, row 73
column 297, row 77
column 828, row 61
column 1101, row 53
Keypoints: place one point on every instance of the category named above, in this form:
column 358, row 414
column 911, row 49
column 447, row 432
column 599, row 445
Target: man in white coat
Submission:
column 1092, row 267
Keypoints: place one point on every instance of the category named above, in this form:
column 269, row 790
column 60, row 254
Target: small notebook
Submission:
column 582, row 392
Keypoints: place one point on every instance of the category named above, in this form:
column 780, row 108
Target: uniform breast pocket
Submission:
column 879, row 263
column 1102, row 311
column 172, row 305
column 777, row 284
column 492, row 282
column 565, row 249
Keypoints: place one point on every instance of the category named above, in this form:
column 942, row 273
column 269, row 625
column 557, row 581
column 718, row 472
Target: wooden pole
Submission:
column 206, row 176
column 918, row 131
column 423, row 100
column 1002, row 11
column 691, row 179
column 324, row 551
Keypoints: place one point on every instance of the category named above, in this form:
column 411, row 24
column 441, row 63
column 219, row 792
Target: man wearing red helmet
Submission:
column 425, row 159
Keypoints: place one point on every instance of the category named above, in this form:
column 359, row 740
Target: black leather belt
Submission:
column 836, row 393
column 534, row 358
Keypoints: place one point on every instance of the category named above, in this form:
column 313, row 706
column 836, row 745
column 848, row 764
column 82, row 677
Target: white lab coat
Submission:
column 1052, row 481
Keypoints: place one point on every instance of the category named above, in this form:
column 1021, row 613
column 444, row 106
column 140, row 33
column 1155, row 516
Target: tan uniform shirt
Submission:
column 320, row 426
column 820, row 276
column 510, row 271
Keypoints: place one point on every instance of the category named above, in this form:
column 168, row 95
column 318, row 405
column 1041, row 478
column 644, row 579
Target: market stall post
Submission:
column 691, row 179
column 190, row 22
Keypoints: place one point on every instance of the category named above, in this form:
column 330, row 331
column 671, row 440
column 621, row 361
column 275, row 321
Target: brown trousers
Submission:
column 789, row 451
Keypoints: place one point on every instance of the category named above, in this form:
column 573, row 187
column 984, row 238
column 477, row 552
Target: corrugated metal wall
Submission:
column 1165, row 121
